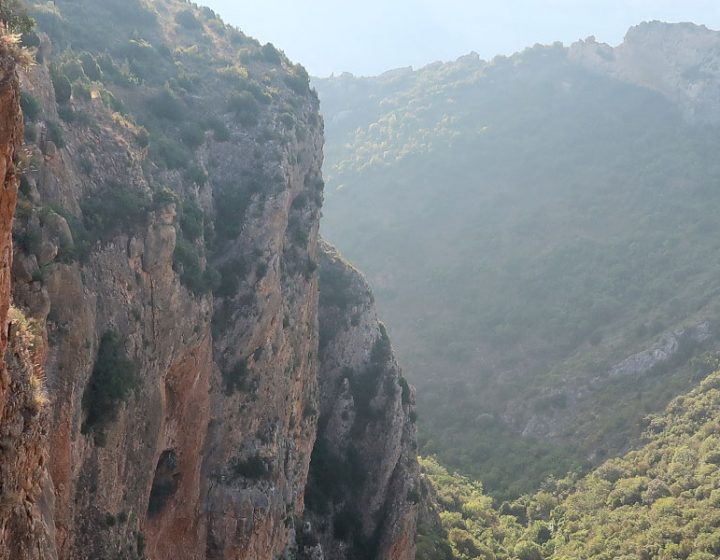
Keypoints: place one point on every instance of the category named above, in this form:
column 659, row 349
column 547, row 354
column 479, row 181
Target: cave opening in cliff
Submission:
column 165, row 482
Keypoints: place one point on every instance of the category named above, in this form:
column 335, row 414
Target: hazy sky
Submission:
column 370, row 36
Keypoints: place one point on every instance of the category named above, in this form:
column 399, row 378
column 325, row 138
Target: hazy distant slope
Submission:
column 527, row 224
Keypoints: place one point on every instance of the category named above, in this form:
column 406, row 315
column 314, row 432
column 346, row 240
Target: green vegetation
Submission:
column 527, row 225
column 30, row 106
column 29, row 241
column 187, row 262
column 337, row 478
column 232, row 202
column 231, row 273
column 187, row 19
column 61, row 85
column 90, row 67
column 406, row 392
column 660, row 501
column 365, row 384
column 112, row 380
column 14, row 17
column 245, row 107
column 192, row 220
column 55, row 133
column 192, row 135
column 167, row 105
column 113, row 210
column 221, row 133
column 254, row 467
column 270, row 54
column 336, row 287
column 169, row 153
column 235, row 378
column 333, row 479
column 470, row 527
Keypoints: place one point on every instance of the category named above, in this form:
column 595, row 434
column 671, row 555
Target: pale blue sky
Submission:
column 370, row 36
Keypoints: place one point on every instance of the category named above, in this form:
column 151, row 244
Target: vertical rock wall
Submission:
column 364, row 478
column 143, row 417
column 25, row 490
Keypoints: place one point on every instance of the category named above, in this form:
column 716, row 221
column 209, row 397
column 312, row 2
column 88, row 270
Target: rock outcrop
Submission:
column 678, row 60
column 671, row 350
column 364, row 477
column 170, row 307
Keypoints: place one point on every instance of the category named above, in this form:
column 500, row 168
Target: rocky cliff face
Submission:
column 172, row 307
column 10, row 139
column 364, row 478
column 25, row 497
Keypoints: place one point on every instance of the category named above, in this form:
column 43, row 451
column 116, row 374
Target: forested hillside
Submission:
column 660, row 501
column 541, row 235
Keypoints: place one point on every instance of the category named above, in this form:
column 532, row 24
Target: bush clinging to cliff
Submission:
column 111, row 382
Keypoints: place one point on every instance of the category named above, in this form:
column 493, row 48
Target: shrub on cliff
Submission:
column 14, row 17
column 192, row 220
column 61, row 84
column 55, row 134
column 30, row 106
column 187, row 263
column 114, row 210
column 270, row 54
column 246, row 108
column 167, row 151
column 525, row 550
column 253, row 467
column 111, row 382
column 192, row 135
column 167, row 105
column 90, row 67
column 187, row 19
column 235, row 378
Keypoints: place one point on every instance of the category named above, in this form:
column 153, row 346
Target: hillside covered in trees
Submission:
column 660, row 501
column 540, row 231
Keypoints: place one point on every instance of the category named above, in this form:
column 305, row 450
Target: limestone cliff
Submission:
column 171, row 295
column 364, row 477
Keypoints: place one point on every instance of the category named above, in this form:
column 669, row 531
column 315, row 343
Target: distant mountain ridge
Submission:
column 529, row 223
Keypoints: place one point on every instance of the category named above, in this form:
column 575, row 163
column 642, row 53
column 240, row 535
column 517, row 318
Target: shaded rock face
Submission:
column 363, row 493
column 11, row 131
column 180, row 422
column 25, row 490
column 26, row 493
column 678, row 60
